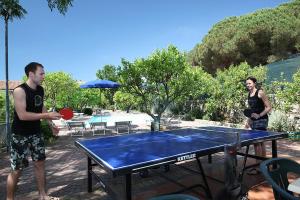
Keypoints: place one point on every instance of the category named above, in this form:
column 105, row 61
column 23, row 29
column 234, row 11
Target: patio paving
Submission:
column 67, row 176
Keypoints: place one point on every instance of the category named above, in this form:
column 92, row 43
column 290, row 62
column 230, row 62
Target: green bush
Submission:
column 3, row 108
column 280, row 122
column 189, row 117
column 206, row 117
column 47, row 132
column 216, row 115
column 197, row 113
column 87, row 111
column 177, row 108
column 57, row 109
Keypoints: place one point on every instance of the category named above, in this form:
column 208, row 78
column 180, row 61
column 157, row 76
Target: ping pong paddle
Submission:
column 248, row 112
column 66, row 113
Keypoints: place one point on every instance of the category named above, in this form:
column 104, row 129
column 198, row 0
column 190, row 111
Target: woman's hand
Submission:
column 255, row 115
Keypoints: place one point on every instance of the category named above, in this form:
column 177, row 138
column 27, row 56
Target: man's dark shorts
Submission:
column 22, row 146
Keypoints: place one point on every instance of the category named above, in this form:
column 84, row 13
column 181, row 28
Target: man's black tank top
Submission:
column 256, row 104
column 34, row 103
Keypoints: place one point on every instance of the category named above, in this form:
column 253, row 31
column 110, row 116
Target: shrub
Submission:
column 280, row 122
column 57, row 109
column 189, row 117
column 197, row 113
column 47, row 132
column 87, row 111
column 206, row 117
column 176, row 108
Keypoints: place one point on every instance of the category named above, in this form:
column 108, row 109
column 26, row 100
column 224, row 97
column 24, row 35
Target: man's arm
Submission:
column 20, row 106
column 48, row 120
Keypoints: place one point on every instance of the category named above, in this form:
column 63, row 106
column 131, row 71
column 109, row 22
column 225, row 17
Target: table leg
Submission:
column 208, row 193
column 89, row 169
column 274, row 152
column 209, row 158
column 128, row 186
column 274, row 149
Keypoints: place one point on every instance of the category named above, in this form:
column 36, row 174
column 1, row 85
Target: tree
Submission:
column 63, row 91
column 9, row 9
column 59, row 88
column 158, row 80
column 126, row 101
column 258, row 38
column 109, row 72
column 192, row 105
column 82, row 98
column 61, row 5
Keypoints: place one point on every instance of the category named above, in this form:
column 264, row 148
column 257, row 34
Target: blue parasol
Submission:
column 100, row 84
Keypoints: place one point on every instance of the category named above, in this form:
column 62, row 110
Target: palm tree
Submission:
column 9, row 9
column 61, row 5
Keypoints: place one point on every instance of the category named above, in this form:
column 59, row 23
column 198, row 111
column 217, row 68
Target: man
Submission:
column 26, row 135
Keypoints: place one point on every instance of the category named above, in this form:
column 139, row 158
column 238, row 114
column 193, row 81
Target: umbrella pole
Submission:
column 100, row 106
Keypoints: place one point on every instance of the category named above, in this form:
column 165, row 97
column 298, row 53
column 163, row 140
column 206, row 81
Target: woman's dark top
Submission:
column 256, row 105
column 34, row 103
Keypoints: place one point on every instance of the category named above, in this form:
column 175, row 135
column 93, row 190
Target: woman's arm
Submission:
column 266, row 101
column 248, row 123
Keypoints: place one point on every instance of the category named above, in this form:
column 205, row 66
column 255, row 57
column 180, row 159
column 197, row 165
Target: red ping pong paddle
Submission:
column 66, row 113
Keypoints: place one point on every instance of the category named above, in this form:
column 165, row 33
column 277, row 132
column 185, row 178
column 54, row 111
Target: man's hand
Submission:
column 53, row 115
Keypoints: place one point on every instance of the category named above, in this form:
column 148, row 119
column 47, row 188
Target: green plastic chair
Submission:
column 174, row 197
column 277, row 176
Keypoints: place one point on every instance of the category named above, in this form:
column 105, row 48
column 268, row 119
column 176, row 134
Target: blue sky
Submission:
column 94, row 33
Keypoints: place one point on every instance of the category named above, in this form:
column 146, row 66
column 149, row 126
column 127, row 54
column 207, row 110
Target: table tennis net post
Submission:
column 230, row 167
column 233, row 145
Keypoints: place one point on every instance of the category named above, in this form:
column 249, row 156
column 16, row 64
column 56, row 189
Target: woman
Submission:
column 260, row 107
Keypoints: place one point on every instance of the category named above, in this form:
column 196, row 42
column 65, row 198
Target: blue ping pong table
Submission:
column 127, row 154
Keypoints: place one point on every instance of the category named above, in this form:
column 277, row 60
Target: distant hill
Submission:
column 288, row 67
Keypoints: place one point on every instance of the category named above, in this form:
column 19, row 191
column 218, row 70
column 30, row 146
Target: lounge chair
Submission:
column 123, row 125
column 77, row 126
column 98, row 126
column 171, row 120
